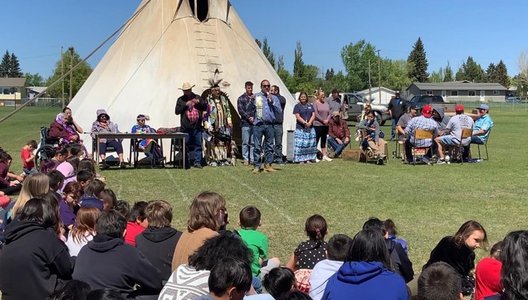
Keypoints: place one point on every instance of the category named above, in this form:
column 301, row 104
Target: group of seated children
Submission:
column 83, row 233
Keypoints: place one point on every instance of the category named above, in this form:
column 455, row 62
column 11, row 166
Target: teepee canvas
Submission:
column 167, row 43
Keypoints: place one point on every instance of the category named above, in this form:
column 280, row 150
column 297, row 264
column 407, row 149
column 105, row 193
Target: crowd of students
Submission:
column 77, row 241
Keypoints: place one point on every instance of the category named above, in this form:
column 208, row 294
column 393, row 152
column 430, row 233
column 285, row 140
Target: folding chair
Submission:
column 485, row 145
column 458, row 150
column 421, row 134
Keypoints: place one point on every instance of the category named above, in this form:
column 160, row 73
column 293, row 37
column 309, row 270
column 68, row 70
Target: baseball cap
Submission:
column 459, row 108
column 483, row 106
column 427, row 111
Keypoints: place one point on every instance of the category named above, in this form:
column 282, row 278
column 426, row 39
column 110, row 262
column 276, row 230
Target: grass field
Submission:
column 426, row 202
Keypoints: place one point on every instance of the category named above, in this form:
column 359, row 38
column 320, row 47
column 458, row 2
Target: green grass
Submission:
column 426, row 202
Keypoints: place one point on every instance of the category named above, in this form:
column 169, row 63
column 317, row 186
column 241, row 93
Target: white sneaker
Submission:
column 326, row 158
column 317, row 160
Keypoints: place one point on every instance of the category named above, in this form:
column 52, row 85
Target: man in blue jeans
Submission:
column 246, row 122
column 277, row 126
column 338, row 134
column 190, row 107
column 396, row 110
column 264, row 109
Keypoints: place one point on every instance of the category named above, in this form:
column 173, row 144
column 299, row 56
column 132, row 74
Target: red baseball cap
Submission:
column 427, row 111
column 459, row 108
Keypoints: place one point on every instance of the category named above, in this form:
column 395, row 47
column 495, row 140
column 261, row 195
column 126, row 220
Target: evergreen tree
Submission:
column 491, row 73
column 448, row 73
column 298, row 63
column 418, row 62
column 437, row 76
column 5, row 65
column 266, row 49
column 329, row 74
column 502, row 74
column 471, row 71
column 80, row 74
column 14, row 70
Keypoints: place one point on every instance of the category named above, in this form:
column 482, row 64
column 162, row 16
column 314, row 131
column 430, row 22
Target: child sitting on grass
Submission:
column 249, row 220
column 137, row 222
column 309, row 253
column 28, row 158
column 390, row 228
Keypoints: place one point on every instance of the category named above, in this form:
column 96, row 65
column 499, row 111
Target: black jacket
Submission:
column 399, row 260
column 181, row 109
column 107, row 262
column 32, row 261
column 158, row 244
column 461, row 258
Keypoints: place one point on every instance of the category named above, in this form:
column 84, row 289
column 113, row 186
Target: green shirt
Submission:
column 258, row 243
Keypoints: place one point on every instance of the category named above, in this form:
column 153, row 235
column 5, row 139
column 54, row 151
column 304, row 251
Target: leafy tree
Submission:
column 34, row 79
column 266, row 49
column 14, row 70
column 418, row 62
column 448, row 73
column 80, row 74
column 356, row 59
column 394, row 74
column 502, row 74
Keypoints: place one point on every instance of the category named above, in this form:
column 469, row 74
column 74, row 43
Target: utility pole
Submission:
column 370, row 83
column 71, row 73
column 62, row 76
column 379, row 76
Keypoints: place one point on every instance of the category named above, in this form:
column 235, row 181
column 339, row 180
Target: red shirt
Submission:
column 487, row 278
column 132, row 230
column 338, row 130
column 25, row 154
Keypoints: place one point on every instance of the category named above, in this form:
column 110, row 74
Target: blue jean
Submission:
column 118, row 147
column 393, row 129
column 247, row 143
column 338, row 148
column 194, row 142
column 277, row 132
column 265, row 131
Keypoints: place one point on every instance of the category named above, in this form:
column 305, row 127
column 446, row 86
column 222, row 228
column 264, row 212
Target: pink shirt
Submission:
column 322, row 113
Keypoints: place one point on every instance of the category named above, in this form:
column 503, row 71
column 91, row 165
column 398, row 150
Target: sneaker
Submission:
column 246, row 163
column 256, row 170
column 317, row 160
column 198, row 166
column 122, row 165
column 440, row 161
column 326, row 158
column 104, row 166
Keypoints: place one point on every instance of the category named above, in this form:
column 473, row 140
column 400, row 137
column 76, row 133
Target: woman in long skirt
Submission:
column 305, row 146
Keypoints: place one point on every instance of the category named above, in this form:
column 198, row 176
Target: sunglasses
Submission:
column 266, row 85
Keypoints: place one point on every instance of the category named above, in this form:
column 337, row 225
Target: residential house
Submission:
column 460, row 91
column 12, row 91
column 386, row 95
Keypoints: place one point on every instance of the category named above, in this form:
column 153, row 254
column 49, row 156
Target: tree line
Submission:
column 10, row 67
column 396, row 74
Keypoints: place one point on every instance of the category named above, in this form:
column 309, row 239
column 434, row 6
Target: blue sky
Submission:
column 451, row 30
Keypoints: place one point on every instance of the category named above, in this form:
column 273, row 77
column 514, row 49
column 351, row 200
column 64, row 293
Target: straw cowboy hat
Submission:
column 186, row 86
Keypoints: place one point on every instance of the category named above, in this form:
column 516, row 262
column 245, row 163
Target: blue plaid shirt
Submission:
column 424, row 123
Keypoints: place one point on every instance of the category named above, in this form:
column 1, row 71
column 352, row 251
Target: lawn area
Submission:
column 426, row 202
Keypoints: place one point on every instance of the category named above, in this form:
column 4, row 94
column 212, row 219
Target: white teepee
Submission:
column 167, row 43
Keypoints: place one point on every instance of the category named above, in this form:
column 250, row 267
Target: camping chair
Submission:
column 135, row 149
column 421, row 134
column 485, row 145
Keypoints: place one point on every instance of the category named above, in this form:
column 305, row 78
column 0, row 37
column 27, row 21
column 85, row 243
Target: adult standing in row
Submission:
column 277, row 126
column 322, row 117
column 396, row 109
column 334, row 101
column 190, row 107
column 305, row 146
column 246, row 122
column 264, row 110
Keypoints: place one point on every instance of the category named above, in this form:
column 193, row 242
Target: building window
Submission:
column 472, row 93
column 429, row 93
column 454, row 93
column 496, row 93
